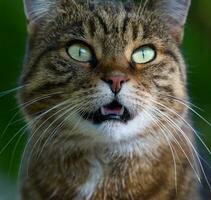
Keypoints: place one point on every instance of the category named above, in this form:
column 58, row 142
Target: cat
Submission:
column 105, row 99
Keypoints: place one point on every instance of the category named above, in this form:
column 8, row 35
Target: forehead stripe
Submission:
column 103, row 24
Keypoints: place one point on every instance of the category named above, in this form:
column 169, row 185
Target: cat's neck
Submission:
column 94, row 170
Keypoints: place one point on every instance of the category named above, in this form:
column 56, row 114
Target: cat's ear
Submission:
column 35, row 9
column 174, row 12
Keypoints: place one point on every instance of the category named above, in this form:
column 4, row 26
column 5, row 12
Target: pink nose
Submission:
column 115, row 82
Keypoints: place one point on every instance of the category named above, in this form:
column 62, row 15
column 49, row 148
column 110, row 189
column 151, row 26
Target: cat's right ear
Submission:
column 36, row 9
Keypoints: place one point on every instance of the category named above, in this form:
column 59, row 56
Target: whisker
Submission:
column 51, row 124
column 43, row 123
column 184, row 101
column 177, row 142
column 72, row 112
column 36, row 120
column 198, row 158
column 15, row 148
column 24, row 106
column 186, row 138
column 195, row 112
column 195, row 151
column 7, row 92
column 175, row 113
column 40, row 137
column 45, row 96
column 186, row 123
column 170, row 146
column 8, row 125
column 9, row 142
column 60, row 126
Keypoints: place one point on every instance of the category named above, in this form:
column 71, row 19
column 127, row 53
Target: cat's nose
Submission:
column 115, row 82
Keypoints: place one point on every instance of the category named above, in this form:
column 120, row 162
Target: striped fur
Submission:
column 68, row 157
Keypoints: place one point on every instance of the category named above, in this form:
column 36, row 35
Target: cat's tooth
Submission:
column 122, row 110
column 103, row 111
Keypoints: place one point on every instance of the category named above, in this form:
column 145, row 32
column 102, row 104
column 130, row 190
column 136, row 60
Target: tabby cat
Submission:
column 104, row 95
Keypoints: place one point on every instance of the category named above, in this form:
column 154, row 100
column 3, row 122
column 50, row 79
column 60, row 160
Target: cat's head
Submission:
column 104, row 69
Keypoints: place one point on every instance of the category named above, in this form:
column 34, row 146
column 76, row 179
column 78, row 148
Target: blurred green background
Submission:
column 196, row 48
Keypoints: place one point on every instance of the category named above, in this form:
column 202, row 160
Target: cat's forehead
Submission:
column 110, row 29
column 110, row 16
column 105, row 23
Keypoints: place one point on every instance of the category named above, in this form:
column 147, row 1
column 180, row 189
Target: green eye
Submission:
column 80, row 52
column 143, row 55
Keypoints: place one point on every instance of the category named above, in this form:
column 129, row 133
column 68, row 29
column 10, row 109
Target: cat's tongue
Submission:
column 112, row 109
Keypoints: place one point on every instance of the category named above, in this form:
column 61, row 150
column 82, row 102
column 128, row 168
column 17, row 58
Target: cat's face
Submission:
column 104, row 70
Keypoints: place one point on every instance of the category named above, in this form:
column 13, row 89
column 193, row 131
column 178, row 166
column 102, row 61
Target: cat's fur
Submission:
column 151, row 157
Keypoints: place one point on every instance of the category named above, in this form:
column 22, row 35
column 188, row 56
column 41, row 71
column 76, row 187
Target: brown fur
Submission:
column 58, row 159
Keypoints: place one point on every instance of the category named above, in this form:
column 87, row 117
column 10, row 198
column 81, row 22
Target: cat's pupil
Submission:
column 81, row 51
column 143, row 55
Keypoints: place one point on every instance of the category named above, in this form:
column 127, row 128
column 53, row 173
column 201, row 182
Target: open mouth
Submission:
column 113, row 111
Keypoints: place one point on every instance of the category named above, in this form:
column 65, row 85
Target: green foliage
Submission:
column 196, row 49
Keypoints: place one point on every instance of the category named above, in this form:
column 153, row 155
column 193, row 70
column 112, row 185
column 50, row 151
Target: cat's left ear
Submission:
column 174, row 13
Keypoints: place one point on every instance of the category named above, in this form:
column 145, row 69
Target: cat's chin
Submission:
column 112, row 130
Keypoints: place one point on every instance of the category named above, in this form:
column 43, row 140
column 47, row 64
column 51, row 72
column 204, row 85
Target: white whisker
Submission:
column 170, row 146
column 36, row 119
column 188, row 140
column 175, row 113
column 201, row 117
column 4, row 93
